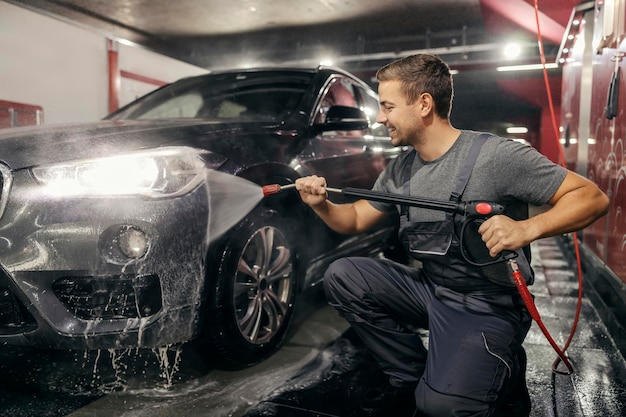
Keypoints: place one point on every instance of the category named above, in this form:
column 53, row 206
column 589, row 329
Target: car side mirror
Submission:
column 344, row 118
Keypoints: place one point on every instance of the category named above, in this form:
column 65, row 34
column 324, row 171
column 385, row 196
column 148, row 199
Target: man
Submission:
column 474, row 364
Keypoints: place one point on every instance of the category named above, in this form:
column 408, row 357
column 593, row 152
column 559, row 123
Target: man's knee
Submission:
column 341, row 280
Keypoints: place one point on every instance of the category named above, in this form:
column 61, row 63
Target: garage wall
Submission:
column 64, row 68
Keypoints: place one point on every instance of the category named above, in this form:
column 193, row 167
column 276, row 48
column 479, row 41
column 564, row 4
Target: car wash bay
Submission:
column 321, row 371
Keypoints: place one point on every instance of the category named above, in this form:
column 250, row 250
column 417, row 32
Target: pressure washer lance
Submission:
column 472, row 210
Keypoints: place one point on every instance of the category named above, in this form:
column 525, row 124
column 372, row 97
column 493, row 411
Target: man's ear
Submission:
column 426, row 103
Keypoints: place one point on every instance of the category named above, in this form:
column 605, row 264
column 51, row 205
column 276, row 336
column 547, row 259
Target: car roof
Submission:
column 276, row 71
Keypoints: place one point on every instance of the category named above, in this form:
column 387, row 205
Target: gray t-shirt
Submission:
column 506, row 172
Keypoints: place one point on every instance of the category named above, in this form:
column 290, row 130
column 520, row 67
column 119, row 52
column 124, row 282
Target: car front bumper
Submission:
column 66, row 283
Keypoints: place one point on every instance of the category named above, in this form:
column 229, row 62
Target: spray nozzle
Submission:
column 271, row 189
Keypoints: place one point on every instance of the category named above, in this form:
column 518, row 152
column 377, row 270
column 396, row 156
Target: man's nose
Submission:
column 380, row 117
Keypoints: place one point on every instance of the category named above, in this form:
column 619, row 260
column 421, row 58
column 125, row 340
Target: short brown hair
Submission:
column 422, row 73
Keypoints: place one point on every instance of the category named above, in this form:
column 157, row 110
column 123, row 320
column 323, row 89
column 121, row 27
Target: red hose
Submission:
column 527, row 298
column 560, row 352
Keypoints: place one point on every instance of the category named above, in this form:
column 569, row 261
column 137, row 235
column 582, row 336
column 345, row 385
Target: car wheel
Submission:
column 251, row 290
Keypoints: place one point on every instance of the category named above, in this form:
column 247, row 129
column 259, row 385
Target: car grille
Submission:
column 6, row 178
column 110, row 297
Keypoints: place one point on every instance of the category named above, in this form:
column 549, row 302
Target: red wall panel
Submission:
column 14, row 114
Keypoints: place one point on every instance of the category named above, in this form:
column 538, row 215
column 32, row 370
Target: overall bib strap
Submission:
column 468, row 167
column 406, row 186
column 462, row 179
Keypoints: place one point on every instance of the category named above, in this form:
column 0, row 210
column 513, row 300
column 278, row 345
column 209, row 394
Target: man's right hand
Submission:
column 346, row 218
column 312, row 190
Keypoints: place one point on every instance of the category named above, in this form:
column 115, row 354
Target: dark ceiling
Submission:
column 357, row 35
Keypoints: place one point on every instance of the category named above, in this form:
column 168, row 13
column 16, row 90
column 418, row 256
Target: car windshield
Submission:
column 237, row 96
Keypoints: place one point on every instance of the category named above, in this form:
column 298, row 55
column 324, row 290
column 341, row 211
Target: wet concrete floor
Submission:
column 321, row 371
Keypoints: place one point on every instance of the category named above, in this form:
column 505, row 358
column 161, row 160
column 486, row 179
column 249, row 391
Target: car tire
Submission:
column 254, row 278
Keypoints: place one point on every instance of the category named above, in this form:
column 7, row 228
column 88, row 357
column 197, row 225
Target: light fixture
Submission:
column 512, row 51
column 516, row 130
column 526, row 67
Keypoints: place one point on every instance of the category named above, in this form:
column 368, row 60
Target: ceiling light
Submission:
column 512, row 50
column 526, row 67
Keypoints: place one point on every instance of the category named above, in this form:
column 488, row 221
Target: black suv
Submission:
column 150, row 228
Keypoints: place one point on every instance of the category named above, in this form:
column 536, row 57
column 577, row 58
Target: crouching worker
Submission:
column 474, row 364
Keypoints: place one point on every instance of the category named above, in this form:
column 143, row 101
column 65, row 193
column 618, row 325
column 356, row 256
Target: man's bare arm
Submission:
column 351, row 218
column 576, row 204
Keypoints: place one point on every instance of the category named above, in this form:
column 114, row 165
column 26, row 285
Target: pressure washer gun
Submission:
column 474, row 252
column 473, row 212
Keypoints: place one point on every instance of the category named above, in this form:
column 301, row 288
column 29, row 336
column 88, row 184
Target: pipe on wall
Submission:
column 114, row 75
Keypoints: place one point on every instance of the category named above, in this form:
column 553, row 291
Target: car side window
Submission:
column 340, row 92
column 371, row 107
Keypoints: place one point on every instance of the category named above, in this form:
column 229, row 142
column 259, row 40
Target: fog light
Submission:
column 133, row 242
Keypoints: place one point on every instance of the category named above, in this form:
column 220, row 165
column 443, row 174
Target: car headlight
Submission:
column 158, row 173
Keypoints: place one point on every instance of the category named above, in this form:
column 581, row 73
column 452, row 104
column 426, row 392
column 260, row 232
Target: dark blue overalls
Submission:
column 474, row 337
